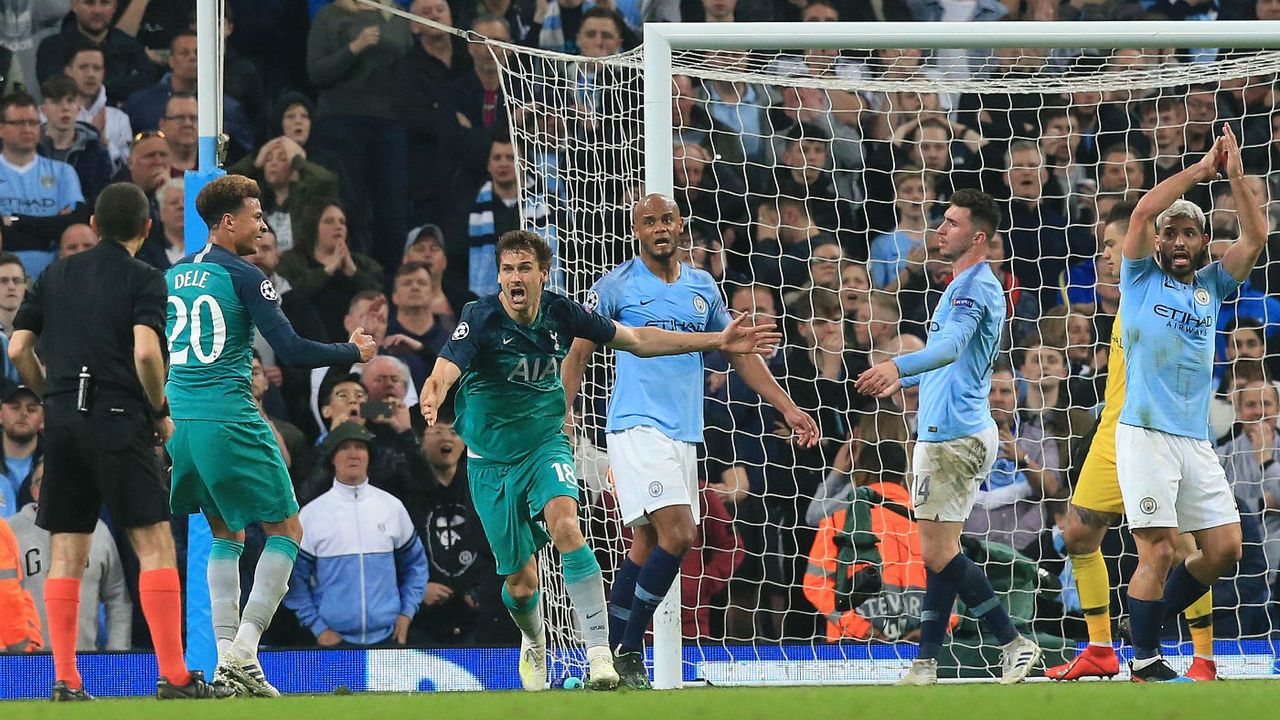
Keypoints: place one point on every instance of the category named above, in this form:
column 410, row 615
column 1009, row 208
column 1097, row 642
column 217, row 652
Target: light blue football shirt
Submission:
column 1168, row 344
column 43, row 188
column 954, row 368
column 660, row 392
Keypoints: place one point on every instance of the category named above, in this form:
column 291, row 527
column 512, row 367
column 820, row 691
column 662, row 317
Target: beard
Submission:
column 21, row 438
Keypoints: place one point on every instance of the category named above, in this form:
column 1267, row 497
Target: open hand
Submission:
column 880, row 381
column 738, row 337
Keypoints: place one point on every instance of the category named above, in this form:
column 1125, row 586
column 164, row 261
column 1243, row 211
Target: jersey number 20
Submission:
column 178, row 355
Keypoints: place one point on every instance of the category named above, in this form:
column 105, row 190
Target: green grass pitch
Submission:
column 1243, row 700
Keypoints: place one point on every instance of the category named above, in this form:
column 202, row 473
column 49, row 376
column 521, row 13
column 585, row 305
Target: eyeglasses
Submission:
column 13, row 281
column 183, row 118
column 23, row 123
column 349, row 395
column 145, row 135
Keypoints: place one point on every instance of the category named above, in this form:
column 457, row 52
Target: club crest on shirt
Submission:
column 1201, row 296
column 592, row 301
column 48, row 181
column 1148, row 505
column 461, row 331
column 699, row 304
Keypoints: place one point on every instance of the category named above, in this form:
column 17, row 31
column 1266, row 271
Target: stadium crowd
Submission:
column 389, row 166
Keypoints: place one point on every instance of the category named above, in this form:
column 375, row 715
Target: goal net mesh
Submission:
column 811, row 183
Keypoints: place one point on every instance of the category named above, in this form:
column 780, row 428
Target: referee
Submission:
column 97, row 319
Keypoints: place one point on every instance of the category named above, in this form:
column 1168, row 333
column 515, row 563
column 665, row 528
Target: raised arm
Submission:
column 436, row 387
column 1139, row 241
column 737, row 337
column 1243, row 254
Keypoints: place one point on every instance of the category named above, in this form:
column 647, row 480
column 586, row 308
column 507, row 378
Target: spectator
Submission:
column 709, row 198
column 1008, row 508
column 784, row 241
column 148, row 107
column 13, row 286
column 1120, row 171
column 179, row 128
column 126, row 64
column 855, row 288
column 19, row 623
column 498, row 208
column 711, row 562
column 85, row 66
column 322, row 268
column 75, row 239
column 153, row 23
column 148, row 166
column 343, row 399
column 167, row 244
column 292, row 118
column 300, row 312
column 352, row 51
column 76, row 143
column 484, row 85
column 805, row 173
column 102, row 587
column 460, row 606
column 288, row 180
column 1248, row 456
column 820, row 367
column 39, row 197
column 415, row 334
column 358, row 542
column 21, row 445
column 1039, row 235
column 288, row 437
column 911, row 209
column 386, row 379
column 880, row 500
column 920, row 285
column 444, row 124
column 427, row 245
column 1052, row 403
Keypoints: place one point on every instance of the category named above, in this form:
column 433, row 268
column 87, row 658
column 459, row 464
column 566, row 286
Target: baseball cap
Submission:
column 11, row 392
column 426, row 232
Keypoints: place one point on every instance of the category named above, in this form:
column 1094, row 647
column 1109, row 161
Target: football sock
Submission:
column 270, row 582
column 1146, row 617
column 1181, row 589
column 584, row 584
column 1090, row 571
column 975, row 590
column 224, row 590
column 656, row 576
column 621, row 595
column 161, row 596
column 1200, row 621
column 935, row 616
column 62, row 607
column 527, row 614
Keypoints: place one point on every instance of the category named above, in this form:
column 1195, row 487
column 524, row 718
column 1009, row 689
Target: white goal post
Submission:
column 660, row 40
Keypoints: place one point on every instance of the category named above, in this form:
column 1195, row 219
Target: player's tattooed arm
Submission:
column 436, row 387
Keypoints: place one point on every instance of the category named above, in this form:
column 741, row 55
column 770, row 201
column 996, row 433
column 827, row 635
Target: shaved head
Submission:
column 657, row 224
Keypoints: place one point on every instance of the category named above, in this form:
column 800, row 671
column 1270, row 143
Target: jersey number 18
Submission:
column 194, row 343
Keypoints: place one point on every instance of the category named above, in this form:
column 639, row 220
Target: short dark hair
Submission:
column 983, row 213
column 410, row 268
column 178, row 96
column 8, row 258
column 181, row 34
column 517, row 240
column 329, row 383
column 15, row 99
column 58, row 87
column 81, row 44
column 224, row 195
column 606, row 13
column 1121, row 212
column 362, row 296
column 121, row 212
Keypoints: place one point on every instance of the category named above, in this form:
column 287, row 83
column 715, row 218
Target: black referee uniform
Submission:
column 99, row 441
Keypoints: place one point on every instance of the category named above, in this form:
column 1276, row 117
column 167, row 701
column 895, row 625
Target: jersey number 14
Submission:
column 193, row 324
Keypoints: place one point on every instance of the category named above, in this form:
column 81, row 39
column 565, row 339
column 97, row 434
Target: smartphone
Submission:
column 374, row 409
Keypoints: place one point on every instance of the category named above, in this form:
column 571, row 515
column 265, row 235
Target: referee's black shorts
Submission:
column 105, row 456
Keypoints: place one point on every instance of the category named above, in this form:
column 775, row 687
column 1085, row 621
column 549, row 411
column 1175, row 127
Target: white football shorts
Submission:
column 1171, row 481
column 946, row 475
column 651, row 471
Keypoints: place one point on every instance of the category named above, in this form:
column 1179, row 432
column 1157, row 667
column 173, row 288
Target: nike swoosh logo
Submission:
column 506, row 341
column 594, row 614
column 646, row 302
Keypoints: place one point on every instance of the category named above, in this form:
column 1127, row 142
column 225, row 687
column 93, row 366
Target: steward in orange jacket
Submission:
column 19, row 623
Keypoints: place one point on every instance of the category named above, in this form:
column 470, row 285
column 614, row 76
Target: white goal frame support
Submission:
column 661, row 38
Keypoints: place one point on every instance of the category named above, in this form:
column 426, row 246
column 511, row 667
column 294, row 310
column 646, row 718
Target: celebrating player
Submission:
column 225, row 459
column 1096, row 505
column 1169, row 475
column 507, row 350
column 957, row 436
column 655, row 419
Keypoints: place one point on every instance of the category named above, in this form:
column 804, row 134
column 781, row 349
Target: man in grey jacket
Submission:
column 1248, row 455
column 103, row 582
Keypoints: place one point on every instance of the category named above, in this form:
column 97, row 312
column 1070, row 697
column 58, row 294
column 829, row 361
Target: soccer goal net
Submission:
column 811, row 181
